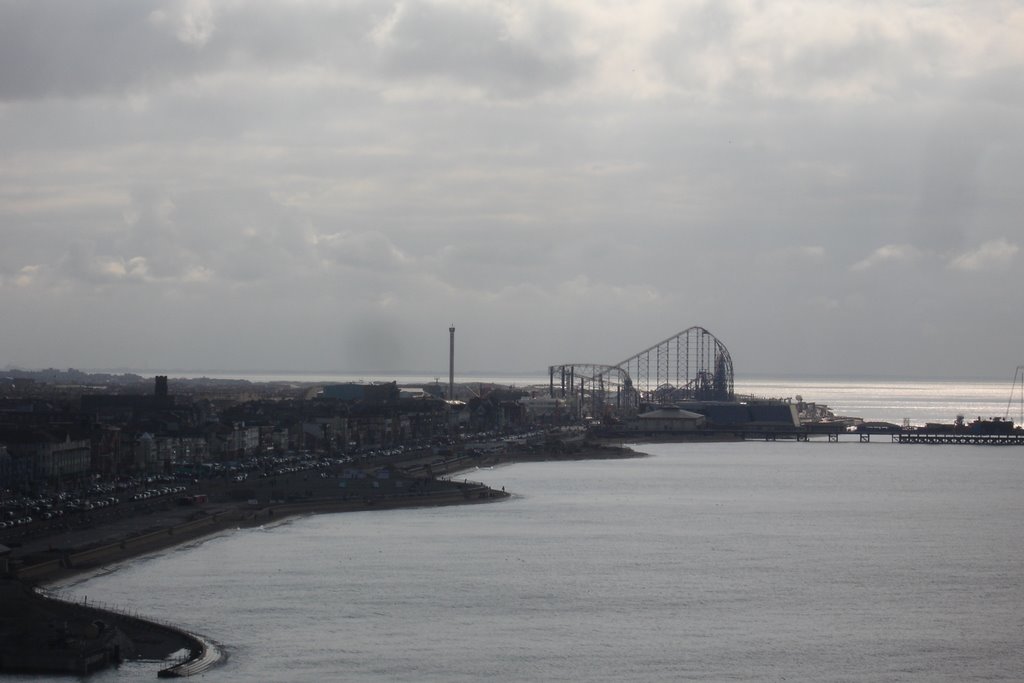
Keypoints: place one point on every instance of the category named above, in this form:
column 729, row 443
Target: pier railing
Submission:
column 901, row 436
column 1015, row 439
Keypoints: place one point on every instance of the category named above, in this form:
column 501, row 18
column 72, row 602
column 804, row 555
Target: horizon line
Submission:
column 208, row 373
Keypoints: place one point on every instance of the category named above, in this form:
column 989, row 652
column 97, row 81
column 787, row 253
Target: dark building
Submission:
column 127, row 407
column 770, row 415
column 384, row 392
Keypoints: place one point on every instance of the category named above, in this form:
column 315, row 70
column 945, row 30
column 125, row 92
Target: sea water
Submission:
column 706, row 562
column 916, row 402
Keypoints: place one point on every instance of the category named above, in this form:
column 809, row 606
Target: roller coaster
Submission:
column 692, row 365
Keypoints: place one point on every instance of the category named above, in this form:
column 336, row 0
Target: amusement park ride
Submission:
column 693, row 370
column 692, row 365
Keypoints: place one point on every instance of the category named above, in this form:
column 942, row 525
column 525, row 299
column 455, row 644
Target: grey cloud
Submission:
column 364, row 174
column 75, row 49
column 1002, row 86
column 872, row 59
column 948, row 199
column 708, row 24
column 78, row 48
column 725, row 51
column 889, row 254
column 167, row 240
column 241, row 235
column 368, row 250
column 107, row 47
column 995, row 255
column 473, row 46
column 837, row 62
column 84, row 263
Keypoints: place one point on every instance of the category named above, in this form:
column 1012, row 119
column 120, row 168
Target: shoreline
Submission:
column 243, row 517
column 159, row 641
column 134, row 544
column 91, row 561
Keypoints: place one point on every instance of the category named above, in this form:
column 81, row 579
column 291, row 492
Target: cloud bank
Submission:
column 328, row 184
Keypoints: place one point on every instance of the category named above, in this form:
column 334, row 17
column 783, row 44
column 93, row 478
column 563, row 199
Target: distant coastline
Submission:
column 518, row 378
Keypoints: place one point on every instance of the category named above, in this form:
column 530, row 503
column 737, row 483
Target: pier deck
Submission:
column 960, row 439
column 899, row 436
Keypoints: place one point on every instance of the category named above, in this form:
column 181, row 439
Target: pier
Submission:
column 900, row 436
column 1014, row 439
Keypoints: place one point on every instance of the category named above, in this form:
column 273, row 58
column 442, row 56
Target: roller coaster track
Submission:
column 690, row 365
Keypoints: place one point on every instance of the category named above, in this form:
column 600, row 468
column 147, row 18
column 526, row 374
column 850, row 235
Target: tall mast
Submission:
column 451, row 363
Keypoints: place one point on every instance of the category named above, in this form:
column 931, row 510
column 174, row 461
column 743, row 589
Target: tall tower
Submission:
column 451, row 363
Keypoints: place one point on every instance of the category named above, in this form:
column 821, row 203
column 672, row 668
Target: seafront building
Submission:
column 61, row 428
column 57, row 437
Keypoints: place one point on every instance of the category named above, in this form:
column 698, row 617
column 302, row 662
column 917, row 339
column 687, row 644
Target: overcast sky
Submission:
column 832, row 188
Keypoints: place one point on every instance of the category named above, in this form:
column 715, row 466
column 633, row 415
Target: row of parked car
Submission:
column 96, row 494
column 157, row 492
column 15, row 512
column 17, row 521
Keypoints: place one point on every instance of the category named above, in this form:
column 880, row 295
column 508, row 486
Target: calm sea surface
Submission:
column 916, row 401
column 706, row 562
